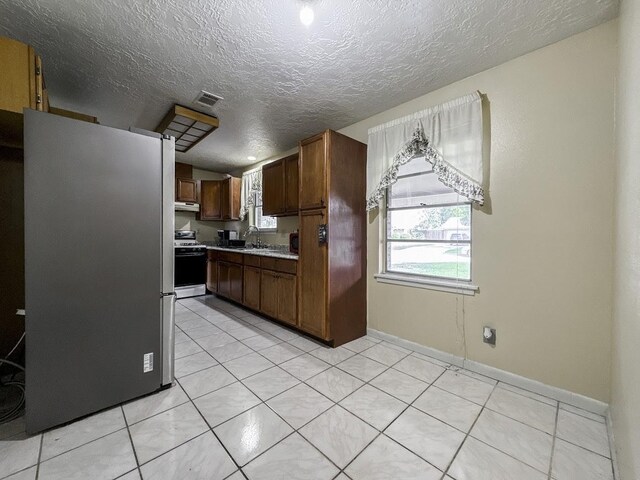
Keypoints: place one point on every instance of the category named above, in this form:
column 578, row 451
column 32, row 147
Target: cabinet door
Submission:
column 210, row 200
column 273, row 184
column 230, row 193
column 269, row 293
column 313, row 173
column 291, row 183
column 287, row 298
column 312, row 274
column 251, row 287
column 235, row 282
column 224, row 288
column 225, row 203
column 186, row 190
column 212, row 275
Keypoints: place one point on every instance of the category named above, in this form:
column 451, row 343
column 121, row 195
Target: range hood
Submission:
column 186, row 207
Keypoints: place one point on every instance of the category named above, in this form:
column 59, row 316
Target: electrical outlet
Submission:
column 489, row 335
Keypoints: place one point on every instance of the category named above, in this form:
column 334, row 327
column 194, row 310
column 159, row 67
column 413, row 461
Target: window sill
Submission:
column 449, row 286
column 268, row 230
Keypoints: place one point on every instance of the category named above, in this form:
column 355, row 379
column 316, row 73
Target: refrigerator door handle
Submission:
column 168, row 334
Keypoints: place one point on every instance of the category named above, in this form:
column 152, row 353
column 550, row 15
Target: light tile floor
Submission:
column 256, row 400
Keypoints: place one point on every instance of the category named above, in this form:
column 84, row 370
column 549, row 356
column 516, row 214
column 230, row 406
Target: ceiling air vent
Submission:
column 206, row 99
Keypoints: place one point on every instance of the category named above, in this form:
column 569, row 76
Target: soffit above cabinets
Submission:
column 187, row 126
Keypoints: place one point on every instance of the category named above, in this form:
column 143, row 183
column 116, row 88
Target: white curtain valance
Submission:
column 251, row 185
column 449, row 136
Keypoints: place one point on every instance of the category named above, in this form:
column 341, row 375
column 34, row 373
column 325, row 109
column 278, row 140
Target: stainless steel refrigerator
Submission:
column 99, row 227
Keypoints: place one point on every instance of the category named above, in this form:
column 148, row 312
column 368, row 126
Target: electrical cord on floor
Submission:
column 14, row 411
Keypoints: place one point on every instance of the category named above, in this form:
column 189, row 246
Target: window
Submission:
column 428, row 227
column 263, row 222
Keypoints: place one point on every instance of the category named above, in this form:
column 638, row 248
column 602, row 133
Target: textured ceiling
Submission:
column 128, row 61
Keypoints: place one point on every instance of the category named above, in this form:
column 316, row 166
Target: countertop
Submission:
column 257, row 251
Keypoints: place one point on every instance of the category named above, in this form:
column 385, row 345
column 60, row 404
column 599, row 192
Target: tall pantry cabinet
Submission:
column 332, row 255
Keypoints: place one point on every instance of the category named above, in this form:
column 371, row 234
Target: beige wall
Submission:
column 625, row 398
column 543, row 246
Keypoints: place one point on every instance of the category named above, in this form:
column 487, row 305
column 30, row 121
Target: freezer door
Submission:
column 94, row 261
column 168, row 258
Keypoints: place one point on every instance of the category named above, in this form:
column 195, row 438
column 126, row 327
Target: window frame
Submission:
column 257, row 203
column 442, row 283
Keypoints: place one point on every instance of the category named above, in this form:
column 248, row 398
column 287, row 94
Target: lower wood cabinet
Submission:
column 251, row 287
column 230, row 281
column 269, row 293
column 212, row 274
column 278, row 296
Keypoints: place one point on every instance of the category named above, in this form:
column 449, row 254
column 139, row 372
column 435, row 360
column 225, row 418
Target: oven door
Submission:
column 190, row 268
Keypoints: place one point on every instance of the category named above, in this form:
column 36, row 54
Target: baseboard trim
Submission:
column 612, row 448
column 581, row 401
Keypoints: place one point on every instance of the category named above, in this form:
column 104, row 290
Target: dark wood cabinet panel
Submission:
column 235, row 282
column 251, row 288
column 210, row 200
column 273, row 188
column 224, row 286
column 269, row 293
column 212, row 275
column 312, row 271
column 291, row 185
column 186, row 190
column 230, row 193
column 287, row 298
column 184, row 170
column 313, row 173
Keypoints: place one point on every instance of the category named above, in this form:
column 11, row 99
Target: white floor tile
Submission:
column 206, row 381
column 213, row 341
column 385, row 354
column 571, row 462
column 583, row 432
column 202, row 332
column 304, row 343
column 156, row 435
column 242, row 332
column 384, row 459
column 338, row 434
column 229, row 351
column 281, row 353
column 304, row 366
column 374, row 406
column 332, row 356
column 270, row 383
column 248, row 365
column 202, row 458
column 251, row 433
column 60, row 440
column 193, row 363
column 105, row 458
column 521, row 441
column 292, row 459
column 449, row 408
column 427, row 437
column 334, row 384
column 420, row 369
column 153, row 404
column 362, row 367
column 582, row 413
column 526, row 393
column 464, row 386
column 18, row 452
column 360, row 344
column 299, row 405
column 186, row 348
column 400, row 385
column 478, row 461
column 28, row 474
column 262, row 341
column 223, row 404
column 526, row 410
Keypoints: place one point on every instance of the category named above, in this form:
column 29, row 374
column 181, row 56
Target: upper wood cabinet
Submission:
column 219, row 199
column 186, row 190
column 273, row 185
column 210, row 200
column 280, row 187
column 22, row 86
column 230, row 193
column 313, row 172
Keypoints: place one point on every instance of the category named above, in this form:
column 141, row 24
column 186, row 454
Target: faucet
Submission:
column 249, row 231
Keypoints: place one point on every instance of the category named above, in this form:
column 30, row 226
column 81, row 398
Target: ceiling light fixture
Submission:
column 251, row 158
column 306, row 16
